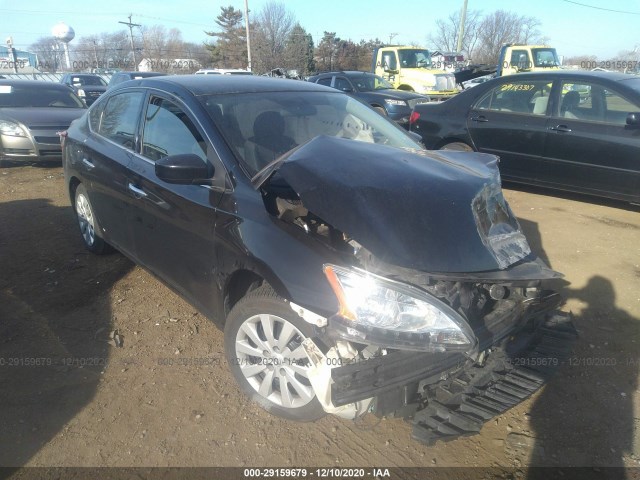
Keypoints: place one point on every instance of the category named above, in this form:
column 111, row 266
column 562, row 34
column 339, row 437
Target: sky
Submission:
column 572, row 27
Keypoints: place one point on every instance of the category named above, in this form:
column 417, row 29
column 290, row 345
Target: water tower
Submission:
column 64, row 34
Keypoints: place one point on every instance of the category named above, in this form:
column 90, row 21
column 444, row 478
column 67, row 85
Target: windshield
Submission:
column 369, row 83
column 415, row 58
column 545, row 57
column 38, row 96
column 260, row 127
column 87, row 80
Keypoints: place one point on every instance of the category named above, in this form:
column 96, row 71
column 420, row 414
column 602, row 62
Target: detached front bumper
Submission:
column 446, row 395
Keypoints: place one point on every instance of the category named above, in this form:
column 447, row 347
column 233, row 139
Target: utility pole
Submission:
column 246, row 21
column 463, row 19
column 133, row 50
column 391, row 37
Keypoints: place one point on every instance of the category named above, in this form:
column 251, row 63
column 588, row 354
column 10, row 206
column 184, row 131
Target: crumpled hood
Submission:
column 432, row 211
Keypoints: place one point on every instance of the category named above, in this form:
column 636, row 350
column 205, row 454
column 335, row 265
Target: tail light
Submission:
column 415, row 116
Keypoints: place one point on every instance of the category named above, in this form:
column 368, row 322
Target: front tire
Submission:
column 88, row 223
column 263, row 338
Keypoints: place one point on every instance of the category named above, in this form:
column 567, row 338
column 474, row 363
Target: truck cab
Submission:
column 410, row 68
column 516, row 58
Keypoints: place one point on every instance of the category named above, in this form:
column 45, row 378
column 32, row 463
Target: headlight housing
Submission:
column 390, row 101
column 379, row 311
column 81, row 93
column 11, row 128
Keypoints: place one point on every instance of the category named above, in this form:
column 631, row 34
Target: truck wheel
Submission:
column 457, row 147
column 263, row 345
column 381, row 111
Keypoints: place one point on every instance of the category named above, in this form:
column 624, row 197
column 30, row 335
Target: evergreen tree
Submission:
column 230, row 48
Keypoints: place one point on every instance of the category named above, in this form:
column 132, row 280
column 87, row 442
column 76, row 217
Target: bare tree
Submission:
column 273, row 28
column 163, row 49
column 49, row 53
column 502, row 27
column 484, row 35
column 445, row 37
column 104, row 50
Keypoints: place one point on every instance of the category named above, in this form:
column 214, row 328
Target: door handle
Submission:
column 480, row 118
column 560, row 128
column 137, row 192
column 87, row 163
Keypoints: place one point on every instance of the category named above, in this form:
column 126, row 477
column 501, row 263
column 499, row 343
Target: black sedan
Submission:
column 87, row 86
column 375, row 91
column 119, row 77
column 568, row 130
column 31, row 115
column 312, row 228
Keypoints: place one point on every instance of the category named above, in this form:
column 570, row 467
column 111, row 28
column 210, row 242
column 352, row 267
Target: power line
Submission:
column 602, row 8
column 133, row 50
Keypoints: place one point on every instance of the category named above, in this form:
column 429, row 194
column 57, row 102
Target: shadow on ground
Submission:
column 55, row 321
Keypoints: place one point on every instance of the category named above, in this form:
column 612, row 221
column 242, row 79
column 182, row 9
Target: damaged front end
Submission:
column 443, row 318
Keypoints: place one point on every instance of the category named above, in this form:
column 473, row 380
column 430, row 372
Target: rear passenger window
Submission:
column 593, row 102
column 120, row 118
column 524, row 96
column 325, row 81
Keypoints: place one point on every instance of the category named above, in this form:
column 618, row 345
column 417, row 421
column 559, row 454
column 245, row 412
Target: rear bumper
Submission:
column 450, row 395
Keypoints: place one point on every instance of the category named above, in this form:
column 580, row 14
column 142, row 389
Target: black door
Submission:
column 107, row 153
column 173, row 225
column 589, row 147
column 510, row 121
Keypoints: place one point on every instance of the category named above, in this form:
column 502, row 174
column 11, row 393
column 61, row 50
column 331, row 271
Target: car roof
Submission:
column 345, row 72
column 214, row 84
column 142, row 74
column 584, row 74
column 33, row 83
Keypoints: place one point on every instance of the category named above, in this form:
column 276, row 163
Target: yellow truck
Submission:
column 516, row 58
column 410, row 68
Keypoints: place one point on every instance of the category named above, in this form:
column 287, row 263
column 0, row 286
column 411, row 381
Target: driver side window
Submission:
column 169, row 131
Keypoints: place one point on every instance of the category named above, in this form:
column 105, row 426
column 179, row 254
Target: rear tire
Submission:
column 381, row 111
column 89, row 229
column 457, row 147
column 262, row 340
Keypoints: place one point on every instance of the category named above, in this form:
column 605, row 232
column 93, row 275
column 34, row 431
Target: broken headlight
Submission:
column 379, row 311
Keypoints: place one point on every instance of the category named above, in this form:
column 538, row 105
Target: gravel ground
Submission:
column 165, row 397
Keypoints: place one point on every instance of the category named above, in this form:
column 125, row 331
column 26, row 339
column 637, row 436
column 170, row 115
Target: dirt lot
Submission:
column 166, row 397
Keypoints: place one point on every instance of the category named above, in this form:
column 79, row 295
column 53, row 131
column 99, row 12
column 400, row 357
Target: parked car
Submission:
column 568, row 130
column 223, row 71
column 375, row 91
column 120, row 77
column 87, row 86
column 31, row 115
column 312, row 229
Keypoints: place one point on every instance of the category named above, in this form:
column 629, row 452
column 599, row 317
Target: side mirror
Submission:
column 186, row 169
column 347, row 89
column 633, row 119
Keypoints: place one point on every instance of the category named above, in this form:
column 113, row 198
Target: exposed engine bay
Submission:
column 483, row 344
